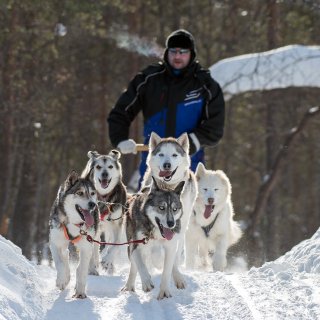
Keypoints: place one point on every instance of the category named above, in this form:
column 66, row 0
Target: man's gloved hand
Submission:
column 127, row 146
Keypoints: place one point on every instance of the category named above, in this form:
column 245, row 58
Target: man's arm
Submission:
column 210, row 130
column 124, row 111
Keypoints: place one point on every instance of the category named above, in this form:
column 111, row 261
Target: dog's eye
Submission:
column 174, row 209
column 174, row 155
column 216, row 189
column 161, row 207
column 80, row 193
column 98, row 167
column 93, row 193
column 161, row 154
column 110, row 167
column 205, row 189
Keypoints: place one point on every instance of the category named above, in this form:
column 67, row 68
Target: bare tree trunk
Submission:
column 10, row 147
column 271, row 179
column 271, row 239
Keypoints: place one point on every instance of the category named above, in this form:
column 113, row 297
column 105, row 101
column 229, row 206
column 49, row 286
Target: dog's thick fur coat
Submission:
column 105, row 172
column 168, row 163
column 154, row 214
column 74, row 209
column 211, row 228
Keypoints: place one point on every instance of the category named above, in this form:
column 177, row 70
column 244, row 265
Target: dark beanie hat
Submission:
column 181, row 39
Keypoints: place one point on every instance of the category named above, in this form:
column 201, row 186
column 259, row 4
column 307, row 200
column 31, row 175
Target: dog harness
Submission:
column 69, row 237
column 207, row 228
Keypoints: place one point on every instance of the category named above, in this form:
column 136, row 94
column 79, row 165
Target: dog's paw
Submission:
column 128, row 287
column 179, row 280
column 181, row 284
column 219, row 262
column 79, row 295
column 164, row 294
column 147, row 285
column 108, row 266
column 62, row 282
column 93, row 272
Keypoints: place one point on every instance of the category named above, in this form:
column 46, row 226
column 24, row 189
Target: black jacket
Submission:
column 171, row 105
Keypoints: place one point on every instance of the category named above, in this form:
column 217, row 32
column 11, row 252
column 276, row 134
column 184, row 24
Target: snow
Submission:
column 287, row 288
column 289, row 66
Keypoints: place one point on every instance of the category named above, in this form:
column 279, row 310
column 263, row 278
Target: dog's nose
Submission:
column 210, row 200
column 104, row 174
column 167, row 166
column 170, row 223
column 91, row 205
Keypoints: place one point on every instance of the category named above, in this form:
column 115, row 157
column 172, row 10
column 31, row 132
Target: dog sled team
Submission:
column 178, row 214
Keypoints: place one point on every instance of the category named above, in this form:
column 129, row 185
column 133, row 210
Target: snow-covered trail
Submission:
column 208, row 296
column 249, row 295
column 287, row 288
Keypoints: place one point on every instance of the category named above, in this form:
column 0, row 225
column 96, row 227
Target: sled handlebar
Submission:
column 142, row 147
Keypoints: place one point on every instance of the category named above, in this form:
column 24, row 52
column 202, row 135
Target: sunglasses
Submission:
column 180, row 51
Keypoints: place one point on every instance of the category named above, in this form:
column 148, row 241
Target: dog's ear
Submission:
column 200, row 170
column 154, row 140
column 225, row 180
column 73, row 177
column 154, row 184
column 115, row 154
column 93, row 154
column 178, row 189
column 183, row 140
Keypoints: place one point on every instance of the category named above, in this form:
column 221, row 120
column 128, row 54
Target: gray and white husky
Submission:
column 211, row 228
column 155, row 214
column 106, row 174
column 74, row 211
column 168, row 163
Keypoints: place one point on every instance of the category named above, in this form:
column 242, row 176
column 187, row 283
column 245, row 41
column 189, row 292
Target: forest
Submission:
column 63, row 65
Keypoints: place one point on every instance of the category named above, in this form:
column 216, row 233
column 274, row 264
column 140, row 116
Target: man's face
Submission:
column 179, row 58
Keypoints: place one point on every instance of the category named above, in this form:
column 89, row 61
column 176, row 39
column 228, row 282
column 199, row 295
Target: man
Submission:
column 175, row 96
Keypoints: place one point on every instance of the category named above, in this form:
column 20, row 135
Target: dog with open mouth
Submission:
column 105, row 172
column 212, row 229
column 168, row 162
column 73, row 215
column 154, row 214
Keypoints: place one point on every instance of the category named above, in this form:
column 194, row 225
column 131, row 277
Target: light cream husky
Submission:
column 211, row 227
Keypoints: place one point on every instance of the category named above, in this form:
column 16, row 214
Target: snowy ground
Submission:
column 288, row 288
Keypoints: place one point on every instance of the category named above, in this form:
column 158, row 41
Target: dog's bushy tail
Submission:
column 235, row 232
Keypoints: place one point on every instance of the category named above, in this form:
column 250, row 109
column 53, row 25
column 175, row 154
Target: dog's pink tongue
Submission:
column 105, row 183
column 207, row 211
column 88, row 218
column 164, row 173
column 168, row 233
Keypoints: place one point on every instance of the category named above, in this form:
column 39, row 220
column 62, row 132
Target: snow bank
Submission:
column 303, row 258
column 20, row 296
column 289, row 66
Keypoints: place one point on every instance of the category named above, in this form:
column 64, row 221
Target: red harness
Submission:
column 66, row 234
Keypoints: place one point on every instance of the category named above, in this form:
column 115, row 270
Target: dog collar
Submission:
column 104, row 214
column 69, row 237
column 207, row 228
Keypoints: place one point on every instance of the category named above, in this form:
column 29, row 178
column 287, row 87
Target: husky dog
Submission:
column 168, row 162
column 154, row 214
column 106, row 174
column 211, row 227
column 74, row 212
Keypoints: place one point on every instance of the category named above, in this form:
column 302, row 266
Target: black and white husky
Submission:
column 168, row 163
column 211, row 228
column 155, row 214
column 74, row 211
column 106, row 174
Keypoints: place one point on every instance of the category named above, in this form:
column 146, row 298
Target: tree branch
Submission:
column 271, row 178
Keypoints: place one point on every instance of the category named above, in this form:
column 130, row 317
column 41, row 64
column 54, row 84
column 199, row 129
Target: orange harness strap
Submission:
column 65, row 231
